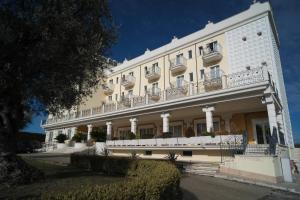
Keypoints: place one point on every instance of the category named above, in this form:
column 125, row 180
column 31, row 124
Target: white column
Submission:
column 108, row 129
column 209, row 118
column 272, row 119
column 74, row 131
column 133, row 123
column 90, row 128
column 165, row 118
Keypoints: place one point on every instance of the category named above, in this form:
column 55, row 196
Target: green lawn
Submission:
column 59, row 178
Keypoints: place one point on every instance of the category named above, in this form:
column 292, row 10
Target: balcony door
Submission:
column 212, row 46
column 176, row 130
column 179, row 58
column 179, row 81
column 215, row 72
column 261, row 131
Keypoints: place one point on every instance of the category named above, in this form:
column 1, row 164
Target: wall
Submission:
column 261, row 168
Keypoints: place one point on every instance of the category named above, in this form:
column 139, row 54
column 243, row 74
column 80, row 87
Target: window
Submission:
column 215, row 72
column 155, row 65
column 179, row 58
column 116, row 97
column 201, row 128
column 50, row 136
column 117, row 80
column 146, row 133
column 69, row 133
column 216, row 126
column 191, row 77
column 148, row 153
column 176, row 130
column 122, row 94
column 202, row 74
column 190, row 54
column 187, row 153
column 146, row 70
column 131, row 73
column 155, row 85
column 200, row 50
column 145, row 88
column 180, row 81
column 109, row 98
column 111, row 81
column 130, row 93
column 60, row 132
column 212, row 46
column 123, row 77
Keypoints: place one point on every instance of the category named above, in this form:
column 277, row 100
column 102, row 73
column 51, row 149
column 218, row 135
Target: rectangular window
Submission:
column 109, row 98
column 148, row 153
column 116, row 97
column 191, row 77
column 201, row 128
column 187, row 153
column 146, row 133
column 50, row 136
column 145, row 88
column 215, row 72
column 69, row 133
column 202, row 74
column 117, row 80
column 176, row 130
column 212, row 46
column 146, row 70
column 111, row 81
column 130, row 92
column 190, row 54
column 131, row 73
column 179, row 58
column 200, row 50
column 180, row 81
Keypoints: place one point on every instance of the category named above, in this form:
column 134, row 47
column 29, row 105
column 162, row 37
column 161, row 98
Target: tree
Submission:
column 52, row 55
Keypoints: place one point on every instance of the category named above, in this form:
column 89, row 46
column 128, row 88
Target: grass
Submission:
column 59, row 178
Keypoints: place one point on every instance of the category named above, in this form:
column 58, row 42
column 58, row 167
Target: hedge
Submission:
column 146, row 180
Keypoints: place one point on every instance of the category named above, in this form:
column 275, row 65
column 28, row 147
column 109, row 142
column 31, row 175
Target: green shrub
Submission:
column 78, row 137
column 99, row 135
column 211, row 134
column 61, row 138
column 147, row 179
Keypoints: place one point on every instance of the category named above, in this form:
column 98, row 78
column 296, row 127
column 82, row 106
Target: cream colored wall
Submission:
column 95, row 100
column 193, row 65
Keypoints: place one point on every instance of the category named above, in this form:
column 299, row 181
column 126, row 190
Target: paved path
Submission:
column 210, row 188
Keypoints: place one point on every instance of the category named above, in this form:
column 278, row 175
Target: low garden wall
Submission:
column 145, row 179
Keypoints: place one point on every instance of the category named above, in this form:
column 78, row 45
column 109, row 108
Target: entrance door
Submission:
column 261, row 130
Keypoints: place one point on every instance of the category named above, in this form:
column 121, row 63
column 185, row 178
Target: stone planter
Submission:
column 61, row 145
column 79, row 145
column 100, row 148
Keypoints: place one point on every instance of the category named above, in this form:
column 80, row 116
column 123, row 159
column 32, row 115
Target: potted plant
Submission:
column 61, row 141
column 211, row 134
column 99, row 136
column 189, row 132
column 79, row 138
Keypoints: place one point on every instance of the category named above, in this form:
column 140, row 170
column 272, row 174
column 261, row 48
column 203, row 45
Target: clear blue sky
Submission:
column 152, row 23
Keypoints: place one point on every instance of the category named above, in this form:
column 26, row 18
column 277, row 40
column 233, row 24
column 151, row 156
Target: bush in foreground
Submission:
column 146, row 180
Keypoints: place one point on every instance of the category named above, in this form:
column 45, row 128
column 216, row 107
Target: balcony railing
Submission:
column 199, row 141
column 108, row 88
column 212, row 54
column 178, row 65
column 152, row 73
column 128, row 81
column 177, row 90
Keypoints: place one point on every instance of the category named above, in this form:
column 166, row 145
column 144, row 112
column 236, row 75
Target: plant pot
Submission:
column 79, row 145
column 100, row 147
column 61, row 145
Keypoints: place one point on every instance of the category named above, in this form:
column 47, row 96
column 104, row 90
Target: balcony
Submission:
column 128, row 81
column 108, row 88
column 177, row 90
column 178, row 65
column 153, row 73
column 154, row 93
column 212, row 54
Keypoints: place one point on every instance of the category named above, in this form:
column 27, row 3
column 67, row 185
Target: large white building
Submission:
column 225, row 79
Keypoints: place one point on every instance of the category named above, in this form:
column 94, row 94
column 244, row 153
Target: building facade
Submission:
column 224, row 80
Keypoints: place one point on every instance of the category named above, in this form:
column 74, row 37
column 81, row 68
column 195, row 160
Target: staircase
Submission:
column 202, row 168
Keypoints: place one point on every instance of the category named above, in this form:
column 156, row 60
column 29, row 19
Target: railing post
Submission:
column 147, row 99
column 131, row 102
column 103, row 108
column 224, row 81
column 165, row 95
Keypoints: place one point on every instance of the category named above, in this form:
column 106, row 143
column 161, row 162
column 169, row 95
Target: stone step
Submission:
column 202, row 168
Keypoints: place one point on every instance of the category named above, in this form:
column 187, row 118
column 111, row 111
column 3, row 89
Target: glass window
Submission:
column 190, row 54
column 111, row 81
column 50, row 136
column 191, row 77
column 131, row 73
column 109, row 98
column 69, row 133
column 202, row 74
column 117, row 80
column 146, row 133
column 116, row 97
column 176, row 130
column 179, row 58
column 201, row 128
column 216, row 126
column 180, row 81
column 200, row 50
column 215, row 72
